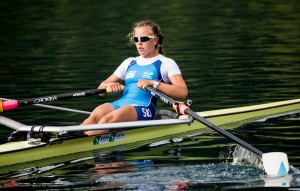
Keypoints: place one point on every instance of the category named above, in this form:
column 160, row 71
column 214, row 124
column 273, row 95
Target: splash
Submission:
column 242, row 156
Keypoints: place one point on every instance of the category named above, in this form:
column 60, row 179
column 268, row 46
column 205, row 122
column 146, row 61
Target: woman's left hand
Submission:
column 143, row 82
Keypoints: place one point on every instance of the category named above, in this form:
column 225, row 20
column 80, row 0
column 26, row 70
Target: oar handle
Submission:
column 13, row 104
column 181, row 108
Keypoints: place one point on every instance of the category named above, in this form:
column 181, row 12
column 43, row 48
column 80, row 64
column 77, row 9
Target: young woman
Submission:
column 151, row 68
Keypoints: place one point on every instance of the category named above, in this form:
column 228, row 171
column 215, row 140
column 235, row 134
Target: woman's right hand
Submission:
column 114, row 87
column 113, row 83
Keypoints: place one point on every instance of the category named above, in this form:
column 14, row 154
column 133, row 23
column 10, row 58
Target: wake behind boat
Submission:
column 46, row 144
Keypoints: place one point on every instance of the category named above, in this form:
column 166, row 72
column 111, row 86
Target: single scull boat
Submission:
column 40, row 143
column 33, row 143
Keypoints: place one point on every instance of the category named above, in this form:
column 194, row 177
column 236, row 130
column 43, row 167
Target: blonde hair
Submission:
column 155, row 29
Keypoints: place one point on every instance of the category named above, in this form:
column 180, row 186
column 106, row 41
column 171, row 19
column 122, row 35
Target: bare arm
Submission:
column 177, row 89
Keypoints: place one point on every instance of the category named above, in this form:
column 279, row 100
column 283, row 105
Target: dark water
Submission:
column 231, row 53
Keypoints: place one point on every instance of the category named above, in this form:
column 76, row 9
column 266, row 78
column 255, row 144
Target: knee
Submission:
column 106, row 119
column 90, row 120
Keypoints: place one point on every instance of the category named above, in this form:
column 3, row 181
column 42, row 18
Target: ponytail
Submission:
column 161, row 50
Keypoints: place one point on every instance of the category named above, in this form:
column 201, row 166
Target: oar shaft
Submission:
column 56, row 107
column 13, row 104
column 186, row 110
column 223, row 132
column 60, row 97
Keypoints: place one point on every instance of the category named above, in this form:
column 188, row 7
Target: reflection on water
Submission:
column 113, row 171
column 232, row 53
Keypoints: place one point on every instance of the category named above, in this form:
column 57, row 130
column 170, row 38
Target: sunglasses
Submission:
column 142, row 38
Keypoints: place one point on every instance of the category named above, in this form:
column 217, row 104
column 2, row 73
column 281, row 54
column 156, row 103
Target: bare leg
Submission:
column 126, row 113
column 123, row 114
column 98, row 113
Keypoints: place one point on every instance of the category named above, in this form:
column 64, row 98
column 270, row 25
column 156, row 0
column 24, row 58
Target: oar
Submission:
column 275, row 163
column 13, row 104
column 55, row 107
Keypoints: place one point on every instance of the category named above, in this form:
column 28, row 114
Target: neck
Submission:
column 150, row 55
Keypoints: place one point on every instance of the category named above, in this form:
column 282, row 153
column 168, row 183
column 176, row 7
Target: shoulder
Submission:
column 167, row 62
column 165, row 59
column 169, row 66
column 126, row 62
column 121, row 70
column 129, row 60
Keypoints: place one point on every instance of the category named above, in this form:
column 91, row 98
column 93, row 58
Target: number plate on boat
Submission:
column 109, row 138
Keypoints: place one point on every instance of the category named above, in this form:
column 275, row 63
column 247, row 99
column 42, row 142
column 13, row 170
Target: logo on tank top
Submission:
column 130, row 74
column 147, row 75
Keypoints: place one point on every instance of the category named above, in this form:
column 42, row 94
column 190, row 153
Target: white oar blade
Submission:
column 275, row 163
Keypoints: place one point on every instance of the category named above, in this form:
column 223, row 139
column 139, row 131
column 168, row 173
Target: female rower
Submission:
column 150, row 68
